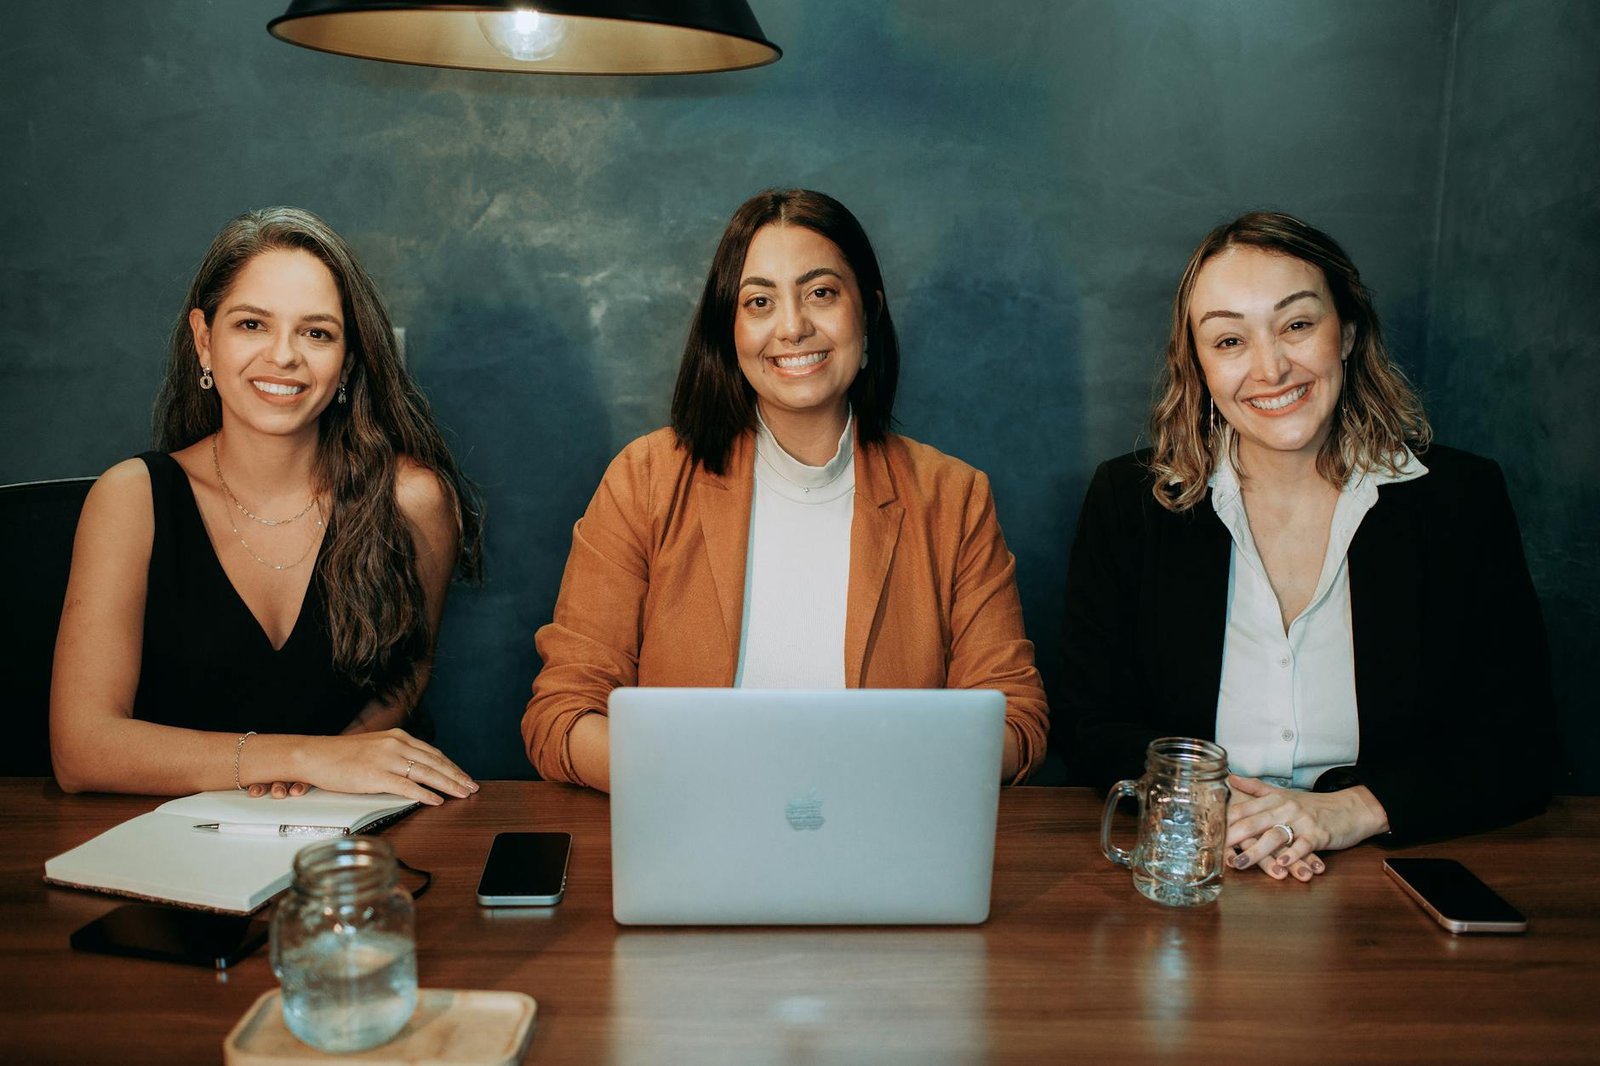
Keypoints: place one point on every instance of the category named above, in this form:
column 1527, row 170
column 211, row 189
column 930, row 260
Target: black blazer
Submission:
column 1452, row 673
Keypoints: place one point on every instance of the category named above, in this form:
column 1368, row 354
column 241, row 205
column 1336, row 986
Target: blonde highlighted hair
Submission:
column 1378, row 414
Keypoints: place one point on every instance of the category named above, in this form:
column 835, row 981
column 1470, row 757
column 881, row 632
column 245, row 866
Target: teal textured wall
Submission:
column 1513, row 367
column 1033, row 176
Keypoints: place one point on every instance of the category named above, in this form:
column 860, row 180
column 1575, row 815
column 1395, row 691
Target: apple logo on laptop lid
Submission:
column 805, row 812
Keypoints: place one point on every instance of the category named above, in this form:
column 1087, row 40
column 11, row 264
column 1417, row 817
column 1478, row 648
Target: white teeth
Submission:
column 791, row 362
column 1279, row 402
column 274, row 389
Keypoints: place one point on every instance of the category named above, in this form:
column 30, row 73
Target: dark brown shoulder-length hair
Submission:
column 377, row 613
column 1378, row 413
column 712, row 402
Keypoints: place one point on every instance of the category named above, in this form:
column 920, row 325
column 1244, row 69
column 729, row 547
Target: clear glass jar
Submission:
column 1183, row 822
column 344, row 948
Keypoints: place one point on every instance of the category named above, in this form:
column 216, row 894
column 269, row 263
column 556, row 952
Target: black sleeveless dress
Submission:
column 207, row 662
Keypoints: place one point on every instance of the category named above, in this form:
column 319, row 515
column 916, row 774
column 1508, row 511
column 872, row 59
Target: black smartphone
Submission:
column 525, row 870
column 172, row 934
column 1454, row 896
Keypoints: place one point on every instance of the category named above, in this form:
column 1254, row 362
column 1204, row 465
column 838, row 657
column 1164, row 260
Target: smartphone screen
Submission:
column 172, row 934
column 525, row 870
column 1454, row 896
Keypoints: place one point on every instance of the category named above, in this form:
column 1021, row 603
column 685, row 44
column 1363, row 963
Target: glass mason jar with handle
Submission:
column 344, row 948
column 1183, row 821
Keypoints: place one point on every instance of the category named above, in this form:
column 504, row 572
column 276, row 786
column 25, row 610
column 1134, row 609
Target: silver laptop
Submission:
column 846, row 806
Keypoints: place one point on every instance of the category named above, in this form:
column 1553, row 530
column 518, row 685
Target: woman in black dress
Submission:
column 255, row 604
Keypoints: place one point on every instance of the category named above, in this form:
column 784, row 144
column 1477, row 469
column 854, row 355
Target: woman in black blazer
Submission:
column 1292, row 571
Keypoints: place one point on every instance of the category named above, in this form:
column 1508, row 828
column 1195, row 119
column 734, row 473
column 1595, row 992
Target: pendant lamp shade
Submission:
column 554, row 37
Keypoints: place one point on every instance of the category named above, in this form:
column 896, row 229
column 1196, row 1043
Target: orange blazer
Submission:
column 653, row 592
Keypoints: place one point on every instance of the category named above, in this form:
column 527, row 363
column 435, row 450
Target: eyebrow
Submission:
column 810, row 275
column 262, row 312
column 1279, row 306
column 817, row 272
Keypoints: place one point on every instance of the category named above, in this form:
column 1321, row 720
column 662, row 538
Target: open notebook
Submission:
column 161, row 856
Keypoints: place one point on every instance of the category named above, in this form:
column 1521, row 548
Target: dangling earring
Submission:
column 1211, row 417
column 865, row 342
column 341, row 397
column 206, row 380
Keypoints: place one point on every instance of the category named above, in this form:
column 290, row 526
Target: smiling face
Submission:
column 276, row 344
column 799, row 328
column 1272, row 350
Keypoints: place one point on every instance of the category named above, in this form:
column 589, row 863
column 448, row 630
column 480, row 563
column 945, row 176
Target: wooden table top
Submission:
column 1072, row 964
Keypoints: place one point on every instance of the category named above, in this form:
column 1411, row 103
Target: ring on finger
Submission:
column 1288, row 831
column 409, row 764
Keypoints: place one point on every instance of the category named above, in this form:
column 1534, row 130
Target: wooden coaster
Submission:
column 449, row 1028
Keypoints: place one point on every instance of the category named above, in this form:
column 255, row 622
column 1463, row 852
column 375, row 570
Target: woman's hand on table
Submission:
column 390, row 760
column 278, row 789
column 1320, row 821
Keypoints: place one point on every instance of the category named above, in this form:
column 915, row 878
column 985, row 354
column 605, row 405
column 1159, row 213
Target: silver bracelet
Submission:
column 238, row 749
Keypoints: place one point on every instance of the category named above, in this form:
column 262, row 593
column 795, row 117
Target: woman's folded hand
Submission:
column 1280, row 830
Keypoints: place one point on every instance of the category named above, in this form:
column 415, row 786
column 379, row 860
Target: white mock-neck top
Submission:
column 797, row 568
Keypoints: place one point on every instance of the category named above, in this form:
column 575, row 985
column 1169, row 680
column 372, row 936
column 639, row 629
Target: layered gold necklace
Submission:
column 216, row 464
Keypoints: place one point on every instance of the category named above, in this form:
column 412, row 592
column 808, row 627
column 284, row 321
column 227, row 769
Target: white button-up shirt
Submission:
column 1286, row 709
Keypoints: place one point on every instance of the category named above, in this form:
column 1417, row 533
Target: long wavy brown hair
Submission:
column 1378, row 414
column 377, row 612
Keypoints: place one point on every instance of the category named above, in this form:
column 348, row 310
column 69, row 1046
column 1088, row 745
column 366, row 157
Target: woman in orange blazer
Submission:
column 777, row 534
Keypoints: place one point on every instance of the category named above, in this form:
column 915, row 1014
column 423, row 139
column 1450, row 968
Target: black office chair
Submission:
column 37, row 523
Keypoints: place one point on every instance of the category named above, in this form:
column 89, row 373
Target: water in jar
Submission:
column 1181, row 847
column 345, row 992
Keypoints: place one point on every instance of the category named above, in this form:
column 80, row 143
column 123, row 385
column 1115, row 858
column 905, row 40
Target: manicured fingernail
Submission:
column 1239, row 862
column 1318, row 867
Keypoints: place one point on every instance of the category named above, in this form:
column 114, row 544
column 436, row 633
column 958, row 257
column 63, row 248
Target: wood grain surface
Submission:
column 1073, row 965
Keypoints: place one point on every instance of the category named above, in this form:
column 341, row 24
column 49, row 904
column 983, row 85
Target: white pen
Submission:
column 261, row 829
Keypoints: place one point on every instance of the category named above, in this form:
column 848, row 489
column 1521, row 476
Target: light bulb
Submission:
column 523, row 34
